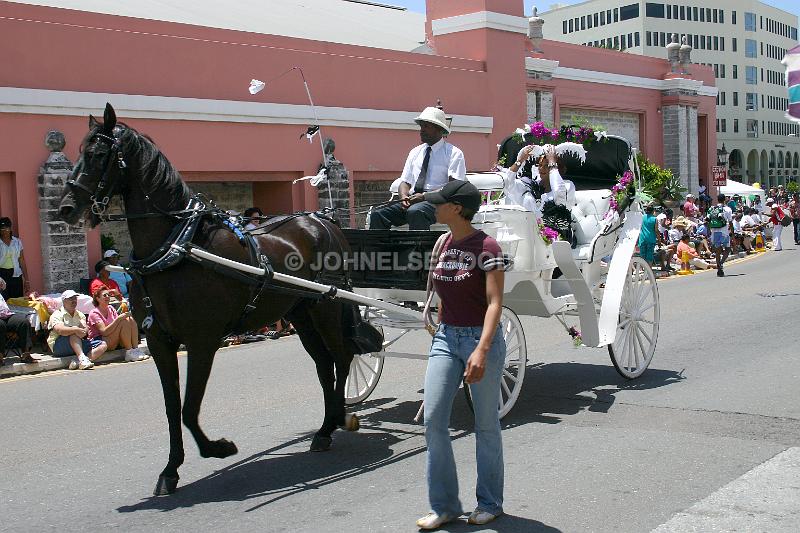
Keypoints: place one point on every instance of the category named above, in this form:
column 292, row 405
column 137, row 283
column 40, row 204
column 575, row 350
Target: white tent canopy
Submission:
column 745, row 191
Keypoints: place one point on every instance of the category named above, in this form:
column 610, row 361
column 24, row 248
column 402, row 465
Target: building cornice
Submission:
column 608, row 78
column 75, row 103
column 480, row 20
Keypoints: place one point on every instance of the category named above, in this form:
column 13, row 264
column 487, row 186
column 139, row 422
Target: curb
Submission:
column 46, row 363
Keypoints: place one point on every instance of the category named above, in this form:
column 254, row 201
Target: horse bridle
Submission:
column 104, row 191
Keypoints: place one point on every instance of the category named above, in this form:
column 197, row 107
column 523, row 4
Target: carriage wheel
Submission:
column 639, row 314
column 365, row 371
column 516, row 360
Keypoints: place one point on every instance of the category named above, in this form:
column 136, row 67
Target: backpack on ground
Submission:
column 716, row 217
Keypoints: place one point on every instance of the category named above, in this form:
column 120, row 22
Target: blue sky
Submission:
column 792, row 6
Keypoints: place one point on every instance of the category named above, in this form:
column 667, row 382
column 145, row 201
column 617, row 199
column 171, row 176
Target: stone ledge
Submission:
column 45, row 363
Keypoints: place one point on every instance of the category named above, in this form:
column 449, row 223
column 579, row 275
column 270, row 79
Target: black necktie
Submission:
column 419, row 186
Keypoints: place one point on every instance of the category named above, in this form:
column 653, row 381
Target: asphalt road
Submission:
column 585, row 449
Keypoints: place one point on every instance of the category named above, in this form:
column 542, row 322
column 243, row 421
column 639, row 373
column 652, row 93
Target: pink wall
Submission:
column 479, row 72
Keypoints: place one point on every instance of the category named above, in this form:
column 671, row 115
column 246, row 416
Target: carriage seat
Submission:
column 588, row 215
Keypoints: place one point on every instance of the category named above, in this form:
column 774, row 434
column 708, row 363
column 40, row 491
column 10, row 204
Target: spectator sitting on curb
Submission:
column 68, row 334
column 103, row 279
column 123, row 279
column 694, row 258
column 112, row 328
column 739, row 237
column 18, row 323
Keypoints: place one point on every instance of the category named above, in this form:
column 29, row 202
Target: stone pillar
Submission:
column 680, row 143
column 65, row 258
column 339, row 184
column 535, row 32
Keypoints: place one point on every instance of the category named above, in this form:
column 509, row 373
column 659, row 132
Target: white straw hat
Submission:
column 434, row 115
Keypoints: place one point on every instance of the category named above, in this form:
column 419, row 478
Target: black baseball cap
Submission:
column 459, row 192
column 5, row 222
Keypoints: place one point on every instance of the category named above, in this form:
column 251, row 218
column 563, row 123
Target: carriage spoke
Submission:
column 505, row 387
column 513, row 349
column 643, row 332
column 509, row 375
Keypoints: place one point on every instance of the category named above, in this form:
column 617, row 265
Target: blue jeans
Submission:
column 450, row 350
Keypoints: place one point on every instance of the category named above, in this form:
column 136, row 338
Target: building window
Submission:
column 716, row 42
column 682, row 12
column 708, row 14
column 735, row 99
column 648, row 38
column 622, row 42
column 736, row 125
column 750, row 21
column 588, row 21
column 595, row 17
column 564, row 27
column 616, row 42
column 675, row 12
column 616, row 14
column 702, row 15
column 715, row 16
column 752, row 128
column 751, row 102
column 734, row 44
column 583, row 23
column 654, row 10
column 694, row 13
column 751, row 75
column 608, row 16
column 722, row 16
column 724, row 125
column 722, row 73
column 628, row 12
column 722, row 43
column 735, row 73
column 662, row 39
column 733, row 18
column 570, row 26
column 750, row 48
column 762, row 48
column 636, row 40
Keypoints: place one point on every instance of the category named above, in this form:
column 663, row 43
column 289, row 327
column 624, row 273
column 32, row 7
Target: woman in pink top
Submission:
column 116, row 330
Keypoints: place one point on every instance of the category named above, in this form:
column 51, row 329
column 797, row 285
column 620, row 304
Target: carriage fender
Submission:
column 617, row 275
column 600, row 331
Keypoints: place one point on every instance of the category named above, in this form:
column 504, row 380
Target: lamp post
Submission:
column 722, row 156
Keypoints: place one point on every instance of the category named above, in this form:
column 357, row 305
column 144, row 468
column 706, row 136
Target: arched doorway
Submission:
column 753, row 166
column 736, row 164
column 763, row 176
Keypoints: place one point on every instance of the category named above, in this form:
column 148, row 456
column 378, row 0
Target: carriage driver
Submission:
column 429, row 167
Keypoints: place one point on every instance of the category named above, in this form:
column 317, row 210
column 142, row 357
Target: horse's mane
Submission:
column 157, row 171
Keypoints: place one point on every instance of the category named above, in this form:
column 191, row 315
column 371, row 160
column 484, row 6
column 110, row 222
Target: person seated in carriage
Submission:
column 429, row 167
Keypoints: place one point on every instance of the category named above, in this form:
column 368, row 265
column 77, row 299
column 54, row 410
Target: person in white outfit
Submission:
column 775, row 216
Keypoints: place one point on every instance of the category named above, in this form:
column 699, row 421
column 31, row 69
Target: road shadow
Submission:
column 504, row 524
column 550, row 393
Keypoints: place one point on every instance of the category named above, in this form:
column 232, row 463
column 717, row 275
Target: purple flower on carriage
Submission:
column 576, row 336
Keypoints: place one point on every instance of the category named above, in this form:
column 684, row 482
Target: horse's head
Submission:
column 98, row 173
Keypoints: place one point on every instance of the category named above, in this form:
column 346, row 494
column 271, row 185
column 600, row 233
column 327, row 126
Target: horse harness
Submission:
column 177, row 246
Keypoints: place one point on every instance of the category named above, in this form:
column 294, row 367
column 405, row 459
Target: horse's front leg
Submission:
column 165, row 356
column 198, row 370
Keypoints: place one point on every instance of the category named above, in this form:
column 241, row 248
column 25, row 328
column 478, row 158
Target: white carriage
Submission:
column 612, row 293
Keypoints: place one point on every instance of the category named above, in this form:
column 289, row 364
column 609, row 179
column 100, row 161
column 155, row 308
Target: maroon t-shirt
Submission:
column 460, row 278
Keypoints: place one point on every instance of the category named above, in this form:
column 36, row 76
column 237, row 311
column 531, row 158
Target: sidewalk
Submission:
column 13, row 367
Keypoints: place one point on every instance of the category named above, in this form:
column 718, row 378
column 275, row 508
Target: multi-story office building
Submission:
column 744, row 42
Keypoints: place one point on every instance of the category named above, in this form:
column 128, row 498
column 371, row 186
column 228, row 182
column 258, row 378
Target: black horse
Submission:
column 196, row 306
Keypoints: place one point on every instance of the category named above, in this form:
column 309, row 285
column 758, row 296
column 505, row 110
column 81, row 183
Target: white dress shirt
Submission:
column 517, row 190
column 446, row 162
column 562, row 191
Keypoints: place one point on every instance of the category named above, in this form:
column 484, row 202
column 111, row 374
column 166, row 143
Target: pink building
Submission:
column 186, row 86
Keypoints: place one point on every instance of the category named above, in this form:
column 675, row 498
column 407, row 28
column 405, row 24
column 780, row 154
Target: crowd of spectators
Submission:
column 706, row 234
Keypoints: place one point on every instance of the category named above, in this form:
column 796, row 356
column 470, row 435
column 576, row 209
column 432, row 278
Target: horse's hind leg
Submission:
column 166, row 359
column 198, row 369
column 313, row 344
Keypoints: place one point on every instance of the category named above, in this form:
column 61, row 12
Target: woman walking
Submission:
column 468, row 345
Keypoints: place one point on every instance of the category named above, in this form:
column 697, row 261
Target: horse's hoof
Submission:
column 320, row 443
column 351, row 423
column 219, row 449
column 166, row 485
